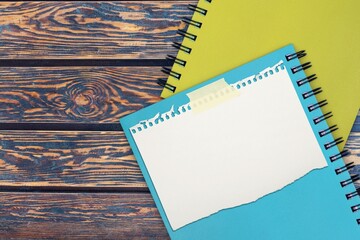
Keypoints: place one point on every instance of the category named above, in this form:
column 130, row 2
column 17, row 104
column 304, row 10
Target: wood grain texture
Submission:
column 76, row 94
column 79, row 216
column 83, row 159
column 353, row 145
column 123, row 30
column 356, row 126
column 68, row 159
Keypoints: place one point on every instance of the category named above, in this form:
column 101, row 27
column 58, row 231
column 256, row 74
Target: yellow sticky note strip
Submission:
column 211, row 95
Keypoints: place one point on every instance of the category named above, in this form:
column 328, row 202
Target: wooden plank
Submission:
column 76, row 94
column 120, row 30
column 353, row 145
column 68, row 159
column 356, row 127
column 79, row 216
column 82, row 160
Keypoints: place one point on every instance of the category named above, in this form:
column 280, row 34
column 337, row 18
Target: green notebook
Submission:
column 225, row 34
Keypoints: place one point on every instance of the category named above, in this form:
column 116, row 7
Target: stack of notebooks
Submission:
column 253, row 149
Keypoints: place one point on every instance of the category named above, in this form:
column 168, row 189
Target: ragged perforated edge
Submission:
column 258, row 77
column 206, row 99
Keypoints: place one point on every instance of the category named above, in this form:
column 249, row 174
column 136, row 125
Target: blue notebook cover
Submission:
column 320, row 202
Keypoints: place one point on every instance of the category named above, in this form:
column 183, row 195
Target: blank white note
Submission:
column 232, row 153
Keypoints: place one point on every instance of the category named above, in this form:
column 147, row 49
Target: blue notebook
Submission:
column 247, row 155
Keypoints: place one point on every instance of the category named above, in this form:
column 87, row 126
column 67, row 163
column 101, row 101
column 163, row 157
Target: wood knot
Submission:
column 87, row 100
column 83, row 99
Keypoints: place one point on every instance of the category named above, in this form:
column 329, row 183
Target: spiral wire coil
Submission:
column 181, row 47
column 347, row 167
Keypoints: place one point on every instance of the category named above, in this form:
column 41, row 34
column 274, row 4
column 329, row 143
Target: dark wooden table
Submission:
column 68, row 72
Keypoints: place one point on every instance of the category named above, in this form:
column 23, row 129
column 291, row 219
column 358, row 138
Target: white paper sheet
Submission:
column 231, row 154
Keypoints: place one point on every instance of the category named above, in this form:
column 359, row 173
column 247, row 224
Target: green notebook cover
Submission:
column 233, row 33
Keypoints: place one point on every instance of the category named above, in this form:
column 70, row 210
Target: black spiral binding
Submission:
column 181, row 47
column 322, row 133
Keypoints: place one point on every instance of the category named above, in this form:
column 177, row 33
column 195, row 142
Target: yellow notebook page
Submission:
column 235, row 32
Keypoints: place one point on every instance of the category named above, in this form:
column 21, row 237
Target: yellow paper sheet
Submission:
column 235, row 32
